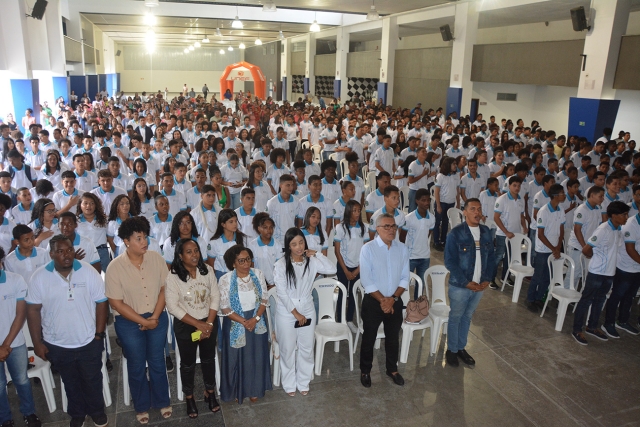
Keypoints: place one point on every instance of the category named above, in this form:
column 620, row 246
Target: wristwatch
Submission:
column 101, row 335
column 395, row 298
column 258, row 318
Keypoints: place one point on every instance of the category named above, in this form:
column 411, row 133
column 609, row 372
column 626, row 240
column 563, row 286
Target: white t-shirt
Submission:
column 351, row 243
column 477, row 269
column 604, row 241
column 551, row 220
column 25, row 266
column 13, row 289
column 418, row 240
column 265, row 256
column 630, row 234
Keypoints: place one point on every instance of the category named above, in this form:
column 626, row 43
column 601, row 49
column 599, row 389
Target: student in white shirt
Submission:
column 602, row 248
column 352, row 176
column 183, row 227
column 227, row 235
column 277, row 168
column 635, row 204
column 107, row 192
column 261, row 187
column 283, row 207
column 44, row 224
column 67, row 198
column 351, row 235
column 416, row 234
column 177, row 199
column 27, row 257
column 446, row 196
column 316, row 199
column 471, row 184
column 93, row 224
column 550, row 220
column 540, row 199
column 234, row 177
column 391, row 203
column 246, row 212
column 375, row 199
column 266, row 250
column 21, row 213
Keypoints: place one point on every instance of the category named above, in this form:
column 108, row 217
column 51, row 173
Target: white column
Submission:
column 310, row 58
column 388, row 55
column 285, row 68
column 602, row 46
column 15, row 37
column 342, row 49
column 465, row 31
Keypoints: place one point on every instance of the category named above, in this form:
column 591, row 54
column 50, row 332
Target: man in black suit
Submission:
column 145, row 131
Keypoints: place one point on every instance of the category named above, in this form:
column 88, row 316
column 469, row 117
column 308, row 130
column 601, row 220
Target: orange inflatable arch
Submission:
column 243, row 71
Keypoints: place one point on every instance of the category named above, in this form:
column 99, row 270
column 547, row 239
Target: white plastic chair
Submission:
column 405, row 198
column 358, row 296
column 370, row 185
column 41, row 369
column 331, row 252
column 409, row 328
column 344, row 167
column 432, row 197
column 455, row 217
column 305, row 144
column 317, row 153
column 178, row 359
column 439, row 309
column 557, row 289
column 274, row 354
column 516, row 246
column 328, row 329
column 106, row 391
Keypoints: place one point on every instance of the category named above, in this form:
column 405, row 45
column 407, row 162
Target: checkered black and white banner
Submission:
column 362, row 86
column 297, row 85
column 324, row 86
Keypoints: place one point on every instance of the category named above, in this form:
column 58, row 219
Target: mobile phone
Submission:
column 195, row 336
column 307, row 323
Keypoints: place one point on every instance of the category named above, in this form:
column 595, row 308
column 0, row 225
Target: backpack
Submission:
column 27, row 172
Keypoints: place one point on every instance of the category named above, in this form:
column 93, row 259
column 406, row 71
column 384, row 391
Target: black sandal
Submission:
column 192, row 408
column 211, row 400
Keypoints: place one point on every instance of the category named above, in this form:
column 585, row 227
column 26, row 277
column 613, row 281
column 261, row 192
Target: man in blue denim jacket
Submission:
column 468, row 256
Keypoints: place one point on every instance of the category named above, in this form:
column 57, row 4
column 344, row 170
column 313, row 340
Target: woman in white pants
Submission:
column 294, row 274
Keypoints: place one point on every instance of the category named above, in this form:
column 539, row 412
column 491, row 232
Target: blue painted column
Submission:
column 26, row 94
column 110, row 84
column 337, row 85
column 118, row 87
column 92, row 86
column 382, row 92
column 284, row 88
column 305, row 84
column 102, row 82
column 61, row 88
column 78, row 84
column 454, row 100
column 588, row 117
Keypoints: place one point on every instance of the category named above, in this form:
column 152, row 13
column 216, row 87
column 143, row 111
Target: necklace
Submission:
column 245, row 279
column 298, row 263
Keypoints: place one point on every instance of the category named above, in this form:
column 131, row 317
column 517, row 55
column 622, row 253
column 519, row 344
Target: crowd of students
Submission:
column 187, row 169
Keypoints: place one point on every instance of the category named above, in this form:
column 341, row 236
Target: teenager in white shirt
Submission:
column 446, row 196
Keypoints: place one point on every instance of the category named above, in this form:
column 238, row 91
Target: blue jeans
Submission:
column 540, row 280
column 81, row 371
column 235, row 201
column 533, row 236
column 594, row 294
column 145, row 348
column 17, row 364
column 420, row 266
column 412, row 200
column 351, row 306
column 625, row 288
column 442, row 224
column 463, row 304
column 501, row 255
column 105, row 259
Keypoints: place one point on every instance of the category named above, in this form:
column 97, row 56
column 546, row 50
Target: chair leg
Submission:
column 516, row 288
column 276, row 371
column 355, row 343
column 336, row 347
column 319, row 350
column 350, row 351
column 106, row 392
column 179, row 378
column 47, row 388
column 126, row 393
column 64, row 396
column 377, row 345
column 404, row 345
column 434, row 340
column 217, row 371
column 544, row 307
column 562, row 312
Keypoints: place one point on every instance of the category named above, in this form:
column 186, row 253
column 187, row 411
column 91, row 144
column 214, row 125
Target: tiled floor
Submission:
column 526, row 374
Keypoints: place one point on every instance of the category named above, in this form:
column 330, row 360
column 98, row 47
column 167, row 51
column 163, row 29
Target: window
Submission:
column 507, row 97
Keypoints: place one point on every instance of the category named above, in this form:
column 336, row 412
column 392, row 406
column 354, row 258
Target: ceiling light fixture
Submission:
column 230, row 48
column 269, row 6
column 221, row 51
column 205, row 39
column 197, row 44
column 151, row 3
column 151, row 41
column 258, row 41
column 373, row 13
column 241, row 46
column 186, row 50
column 314, row 28
column 280, row 35
column 218, row 32
column 236, row 22
column 191, row 47
column 150, row 19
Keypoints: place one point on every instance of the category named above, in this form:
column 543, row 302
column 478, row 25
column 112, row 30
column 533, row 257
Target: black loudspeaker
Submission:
column 445, row 31
column 38, row 9
column 118, row 53
column 579, row 19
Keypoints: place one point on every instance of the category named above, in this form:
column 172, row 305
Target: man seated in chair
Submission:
column 468, row 255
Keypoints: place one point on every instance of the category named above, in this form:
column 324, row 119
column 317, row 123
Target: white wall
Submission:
column 152, row 81
column 6, row 96
column 547, row 104
column 627, row 118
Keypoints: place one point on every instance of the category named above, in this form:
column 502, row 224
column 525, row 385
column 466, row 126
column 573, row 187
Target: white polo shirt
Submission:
column 123, row 181
column 169, row 250
column 331, row 191
column 107, row 197
column 630, row 234
column 448, row 185
column 87, row 181
column 589, row 217
column 324, row 204
column 313, row 240
column 160, row 230
column 21, row 215
column 416, row 169
column 550, row 220
column 217, row 249
column 398, row 216
column 13, row 288
column 68, row 304
column 283, row 214
column 510, row 211
column 384, row 157
column 232, row 175
column 90, row 252
column 25, row 266
column 351, row 243
column 607, row 201
column 92, row 231
column 177, row 201
column 245, row 222
column 472, row 186
column 61, row 198
column 539, row 200
column 274, row 173
column 634, row 209
column 418, row 240
column 205, row 220
column 358, row 183
column 265, row 256
column 604, row 241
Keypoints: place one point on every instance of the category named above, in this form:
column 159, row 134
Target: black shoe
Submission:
column 596, row 333
column 76, row 422
column 192, row 408
column 493, row 285
column 466, row 358
column 365, row 379
column 213, row 403
column 452, row 358
column 32, row 421
column 8, row 423
column 109, row 365
column 397, row 378
column 438, row 247
column 169, row 364
column 532, row 306
column 100, row 420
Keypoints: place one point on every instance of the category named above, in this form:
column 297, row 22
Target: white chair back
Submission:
column 331, row 252
column 490, row 223
column 438, row 275
column 405, row 198
column 358, row 296
column 371, row 182
column 584, row 266
column 316, row 153
column 365, row 174
column 272, row 302
column 344, row 167
column 556, row 270
column 518, row 245
column 455, row 217
column 334, row 157
column 327, row 300
column 432, row 193
column 417, row 282
column 305, row 145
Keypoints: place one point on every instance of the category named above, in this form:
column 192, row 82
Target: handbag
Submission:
column 417, row 310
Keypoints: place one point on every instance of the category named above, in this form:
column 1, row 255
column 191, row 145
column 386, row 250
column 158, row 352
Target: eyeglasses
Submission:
column 388, row 227
column 185, row 223
column 243, row 261
column 50, row 211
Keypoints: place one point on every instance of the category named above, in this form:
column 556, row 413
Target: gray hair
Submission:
column 384, row 215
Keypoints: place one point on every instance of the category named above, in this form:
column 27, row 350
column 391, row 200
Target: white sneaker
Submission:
column 353, row 327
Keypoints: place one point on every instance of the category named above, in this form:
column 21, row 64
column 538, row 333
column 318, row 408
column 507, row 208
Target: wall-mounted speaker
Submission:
column 38, row 9
column 118, row 52
column 445, row 31
column 579, row 19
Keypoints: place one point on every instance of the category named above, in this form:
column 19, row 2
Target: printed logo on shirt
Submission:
column 497, row 205
column 579, row 215
column 539, row 220
column 366, row 203
column 209, row 247
column 594, row 238
column 627, row 234
column 535, row 201
column 334, row 212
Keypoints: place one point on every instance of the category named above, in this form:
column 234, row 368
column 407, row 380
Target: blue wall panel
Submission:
column 382, row 92
column 337, row 85
column 61, row 88
column 78, row 84
column 92, row 86
column 454, row 100
column 110, row 84
column 102, row 82
column 587, row 117
column 26, row 94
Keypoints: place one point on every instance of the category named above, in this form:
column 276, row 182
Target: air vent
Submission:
column 507, row 96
